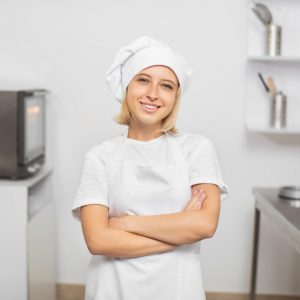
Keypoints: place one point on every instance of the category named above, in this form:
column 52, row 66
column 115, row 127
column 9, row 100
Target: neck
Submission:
column 144, row 132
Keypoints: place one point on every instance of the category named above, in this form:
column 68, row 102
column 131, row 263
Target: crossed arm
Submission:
column 133, row 236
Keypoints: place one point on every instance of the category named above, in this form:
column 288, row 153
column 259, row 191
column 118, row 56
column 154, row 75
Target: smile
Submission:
column 149, row 107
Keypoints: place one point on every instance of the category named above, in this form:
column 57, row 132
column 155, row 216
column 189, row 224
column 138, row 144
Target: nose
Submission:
column 152, row 93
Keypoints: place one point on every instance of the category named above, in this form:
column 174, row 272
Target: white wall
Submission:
column 67, row 46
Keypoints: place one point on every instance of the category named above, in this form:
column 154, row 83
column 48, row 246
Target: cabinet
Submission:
column 284, row 69
column 28, row 246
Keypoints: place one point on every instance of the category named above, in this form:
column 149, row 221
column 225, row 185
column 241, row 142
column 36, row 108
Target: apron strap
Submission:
column 178, row 155
column 121, row 147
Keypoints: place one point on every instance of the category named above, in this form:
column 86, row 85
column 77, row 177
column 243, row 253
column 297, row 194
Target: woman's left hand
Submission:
column 195, row 203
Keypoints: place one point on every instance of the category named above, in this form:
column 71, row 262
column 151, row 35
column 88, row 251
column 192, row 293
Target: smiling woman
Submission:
column 167, row 81
column 147, row 198
column 168, row 123
column 150, row 98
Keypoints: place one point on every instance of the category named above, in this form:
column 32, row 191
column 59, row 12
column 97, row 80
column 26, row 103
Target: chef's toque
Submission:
column 140, row 54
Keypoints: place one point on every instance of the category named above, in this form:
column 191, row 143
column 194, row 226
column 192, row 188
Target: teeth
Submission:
column 149, row 106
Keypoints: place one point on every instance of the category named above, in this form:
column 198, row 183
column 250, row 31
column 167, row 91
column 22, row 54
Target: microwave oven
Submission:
column 22, row 133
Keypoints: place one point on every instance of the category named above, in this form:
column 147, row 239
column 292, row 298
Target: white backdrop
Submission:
column 67, row 46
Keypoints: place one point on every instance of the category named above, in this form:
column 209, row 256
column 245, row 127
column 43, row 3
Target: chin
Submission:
column 151, row 119
column 148, row 120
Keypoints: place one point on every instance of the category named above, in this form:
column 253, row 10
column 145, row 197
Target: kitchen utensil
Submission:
column 263, row 82
column 272, row 87
column 272, row 31
column 278, row 111
column 263, row 13
column 273, row 40
column 290, row 192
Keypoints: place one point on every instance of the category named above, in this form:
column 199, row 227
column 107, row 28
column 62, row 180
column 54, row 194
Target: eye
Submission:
column 142, row 79
column 168, row 86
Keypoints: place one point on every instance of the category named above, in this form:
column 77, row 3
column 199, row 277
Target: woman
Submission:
column 148, row 197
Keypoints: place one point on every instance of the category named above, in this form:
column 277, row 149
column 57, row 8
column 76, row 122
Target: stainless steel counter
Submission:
column 283, row 213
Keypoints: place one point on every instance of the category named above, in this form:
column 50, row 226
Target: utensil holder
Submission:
column 273, row 40
column 278, row 111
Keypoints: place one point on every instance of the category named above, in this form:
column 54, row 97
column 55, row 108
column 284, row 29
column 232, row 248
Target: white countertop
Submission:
column 28, row 182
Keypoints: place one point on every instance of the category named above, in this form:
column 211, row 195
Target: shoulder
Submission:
column 192, row 144
column 103, row 151
column 191, row 140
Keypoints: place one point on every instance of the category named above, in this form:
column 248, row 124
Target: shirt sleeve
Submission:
column 205, row 168
column 93, row 185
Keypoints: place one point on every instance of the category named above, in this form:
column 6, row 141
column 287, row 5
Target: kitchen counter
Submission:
column 28, row 238
column 283, row 213
column 28, row 182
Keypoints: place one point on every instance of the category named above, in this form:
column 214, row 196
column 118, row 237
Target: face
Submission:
column 151, row 95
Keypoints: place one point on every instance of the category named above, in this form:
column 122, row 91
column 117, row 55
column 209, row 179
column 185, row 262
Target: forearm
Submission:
column 178, row 228
column 118, row 243
column 185, row 227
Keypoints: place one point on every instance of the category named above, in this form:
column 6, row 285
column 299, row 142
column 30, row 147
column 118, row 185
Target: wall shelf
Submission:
column 265, row 58
column 263, row 129
column 284, row 69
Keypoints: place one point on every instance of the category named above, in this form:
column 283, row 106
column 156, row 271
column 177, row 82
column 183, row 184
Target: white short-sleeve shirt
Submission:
column 197, row 149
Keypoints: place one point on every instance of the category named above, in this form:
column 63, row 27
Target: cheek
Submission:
column 132, row 96
column 169, row 101
column 168, row 108
column 136, row 91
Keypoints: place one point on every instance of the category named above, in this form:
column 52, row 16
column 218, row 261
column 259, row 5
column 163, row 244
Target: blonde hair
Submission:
column 168, row 123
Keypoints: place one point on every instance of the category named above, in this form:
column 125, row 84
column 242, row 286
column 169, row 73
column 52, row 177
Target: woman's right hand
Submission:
column 197, row 199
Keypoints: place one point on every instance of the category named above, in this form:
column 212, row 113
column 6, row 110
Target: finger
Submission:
column 195, row 192
column 195, row 198
column 201, row 192
column 197, row 206
column 201, row 198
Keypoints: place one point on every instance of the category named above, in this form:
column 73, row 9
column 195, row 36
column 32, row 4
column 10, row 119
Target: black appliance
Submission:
column 22, row 133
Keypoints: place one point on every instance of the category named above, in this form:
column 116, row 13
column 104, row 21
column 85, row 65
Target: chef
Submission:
column 148, row 197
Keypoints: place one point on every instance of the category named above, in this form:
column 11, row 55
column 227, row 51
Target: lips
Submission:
column 149, row 107
column 150, row 104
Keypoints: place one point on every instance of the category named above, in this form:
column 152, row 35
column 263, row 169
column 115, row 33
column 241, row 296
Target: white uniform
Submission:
column 147, row 178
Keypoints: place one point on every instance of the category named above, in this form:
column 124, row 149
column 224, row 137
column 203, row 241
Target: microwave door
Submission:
column 32, row 128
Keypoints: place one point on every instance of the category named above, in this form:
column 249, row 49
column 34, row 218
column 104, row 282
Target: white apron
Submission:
column 147, row 190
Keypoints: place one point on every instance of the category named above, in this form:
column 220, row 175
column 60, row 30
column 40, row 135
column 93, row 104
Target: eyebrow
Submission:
column 144, row 74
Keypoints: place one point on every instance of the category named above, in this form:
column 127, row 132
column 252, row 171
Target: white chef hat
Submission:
column 140, row 54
